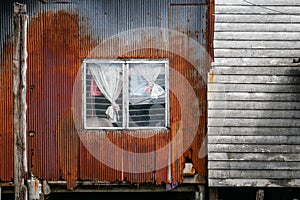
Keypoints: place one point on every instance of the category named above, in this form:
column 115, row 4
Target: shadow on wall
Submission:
column 250, row 194
column 115, row 195
column 294, row 75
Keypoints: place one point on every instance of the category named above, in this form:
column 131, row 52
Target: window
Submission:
column 125, row 94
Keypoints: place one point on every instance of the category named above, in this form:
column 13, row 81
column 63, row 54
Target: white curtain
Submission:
column 150, row 73
column 109, row 80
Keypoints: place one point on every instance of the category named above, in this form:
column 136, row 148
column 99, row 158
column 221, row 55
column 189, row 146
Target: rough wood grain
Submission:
column 253, row 174
column 256, row 139
column 256, row 53
column 252, row 157
column 253, row 165
column 256, row 62
column 257, row 18
column 253, row 105
column 238, row 70
column 267, row 182
column 241, row 131
column 260, row 36
column 257, row 114
column 258, row 2
column 255, row 96
column 261, row 79
column 249, row 148
column 246, row 9
column 19, row 95
column 253, row 87
column 243, row 122
column 256, row 27
column 254, row 44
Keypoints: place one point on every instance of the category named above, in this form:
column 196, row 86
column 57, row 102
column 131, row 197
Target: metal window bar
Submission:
column 157, row 119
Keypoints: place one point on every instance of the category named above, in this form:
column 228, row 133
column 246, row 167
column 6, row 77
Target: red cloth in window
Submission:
column 95, row 91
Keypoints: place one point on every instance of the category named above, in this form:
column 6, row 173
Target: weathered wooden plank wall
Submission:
column 254, row 94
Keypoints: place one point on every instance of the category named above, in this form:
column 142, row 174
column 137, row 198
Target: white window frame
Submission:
column 125, row 99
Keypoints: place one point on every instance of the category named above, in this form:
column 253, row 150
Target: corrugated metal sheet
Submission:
column 60, row 34
column 6, row 97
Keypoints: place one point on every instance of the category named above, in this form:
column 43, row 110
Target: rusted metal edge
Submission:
column 196, row 179
column 123, row 188
column 189, row 184
column 6, row 184
column 188, row 4
column 57, row 2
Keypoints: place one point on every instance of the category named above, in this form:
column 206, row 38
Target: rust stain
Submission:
column 211, row 76
column 53, row 63
column 55, row 48
column 6, row 113
column 90, row 170
column 68, row 148
column 210, row 24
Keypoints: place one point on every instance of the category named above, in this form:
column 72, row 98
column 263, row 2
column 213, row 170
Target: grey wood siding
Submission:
column 254, row 94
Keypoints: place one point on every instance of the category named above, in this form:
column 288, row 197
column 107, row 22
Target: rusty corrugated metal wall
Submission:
column 60, row 34
column 6, row 97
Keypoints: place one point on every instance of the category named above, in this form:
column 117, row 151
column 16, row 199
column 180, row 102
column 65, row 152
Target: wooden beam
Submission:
column 245, row 9
column 255, row 17
column 257, row 182
column 258, row 2
column 260, row 194
column 256, row 27
column 19, row 95
column 254, row 157
column 259, row 36
column 253, row 148
column 201, row 192
column 256, row 53
column 213, row 194
column 253, row 174
column 238, row 69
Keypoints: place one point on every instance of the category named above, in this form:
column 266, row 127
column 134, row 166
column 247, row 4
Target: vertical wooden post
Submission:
column 197, row 195
column 19, row 95
column 213, row 194
column 201, row 192
column 260, row 194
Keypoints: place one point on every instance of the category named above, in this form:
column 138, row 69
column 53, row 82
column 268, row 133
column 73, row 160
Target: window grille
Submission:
column 125, row 94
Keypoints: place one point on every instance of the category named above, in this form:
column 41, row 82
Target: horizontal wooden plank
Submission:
column 243, row 157
column 245, row 122
column 254, row 174
column 253, row 165
column 250, row 148
column 263, row 79
column 248, row 9
column 256, row 70
column 253, row 105
column 268, row 182
column 232, row 44
column 257, row 2
column 256, row 53
column 257, row 114
column 259, row 36
column 221, row 139
column 257, row 18
column 241, row 96
column 241, row 131
column 257, row 27
column 272, row 62
column 248, row 87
